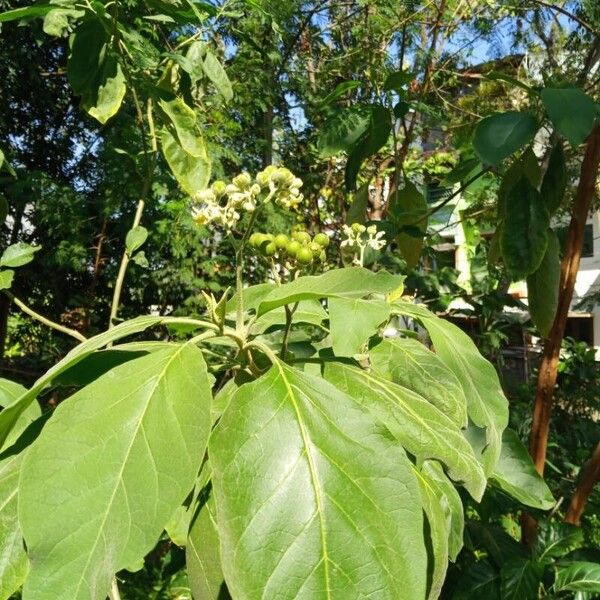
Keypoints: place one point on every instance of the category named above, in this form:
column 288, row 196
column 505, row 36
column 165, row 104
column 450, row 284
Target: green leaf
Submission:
column 85, row 59
column 494, row 542
column 10, row 416
column 343, row 130
column 525, row 230
column 450, row 501
column 27, row 12
column 6, row 279
column 360, row 202
column 486, row 404
column 192, row 172
column 498, row 136
column 5, row 166
column 135, row 239
column 571, row 111
column 498, row 76
column 397, row 80
column 203, row 560
column 58, row 19
column 351, row 282
column 480, row 582
column 556, row 539
column 308, row 311
column 521, row 579
column 408, row 209
column 195, row 58
column 401, row 108
column 554, row 183
column 18, row 254
column 314, row 500
column 217, row 75
column 437, row 531
column 364, row 315
column 372, row 140
column 183, row 119
column 410, row 364
column 542, row 287
column 107, row 514
column 103, row 100
column 140, row 259
column 516, row 475
column 578, row 577
column 419, row 426
column 339, row 91
column 14, row 565
column 462, row 170
column 10, row 392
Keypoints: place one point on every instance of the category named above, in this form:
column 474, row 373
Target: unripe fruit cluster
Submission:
column 298, row 247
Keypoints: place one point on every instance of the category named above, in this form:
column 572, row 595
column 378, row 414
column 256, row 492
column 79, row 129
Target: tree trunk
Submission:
column 590, row 475
column 548, row 370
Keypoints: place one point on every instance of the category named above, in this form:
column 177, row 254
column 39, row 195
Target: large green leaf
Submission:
column 415, row 367
column 13, row 559
column 27, row 12
column 103, row 100
column 408, row 210
column 542, row 287
column 525, row 229
column 85, row 59
column 351, row 282
column 216, row 73
column 134, row 448
column 480, row 582
column 10, row 415
column 343, row 130
column 555, row 539
column 515, row 474
column 365, row 317
column 571, row 111
column 436, row 535
column 487, row 406
column 10, row 392
column 521, row 579
column 192, row 172
column 358, row 209
column 498, row 136
column 578, row 577
column 183, row 119
column 451, row 504
column 420, row 427
column 554, row 183
column 314, row 499
column 308, row 311
column 203, row 560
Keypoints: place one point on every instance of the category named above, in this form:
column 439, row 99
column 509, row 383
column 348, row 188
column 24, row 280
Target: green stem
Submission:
column 289, row 313
column 264, row 349
column 114, row 307
column 239, row 272
column 114, row 594
column 29, row 311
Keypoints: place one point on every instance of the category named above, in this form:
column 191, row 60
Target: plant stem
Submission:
column 265, row 350
column 114, row 594
column 27, row 310
column 289, row 313
column 239, row 272
column 114, row 308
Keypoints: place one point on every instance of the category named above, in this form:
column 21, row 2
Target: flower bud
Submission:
column 218, row 187
column 242, row 181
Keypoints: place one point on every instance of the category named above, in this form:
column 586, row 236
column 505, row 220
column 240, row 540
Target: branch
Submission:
column 590, row 475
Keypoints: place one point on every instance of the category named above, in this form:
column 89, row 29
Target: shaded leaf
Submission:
column 343, row 130
column 18, row 254
column 578, row 577
column 554, row 183
column 480, row 581
column 358, row 209
column 521, row 579
column 556, row 538
column 339, row 91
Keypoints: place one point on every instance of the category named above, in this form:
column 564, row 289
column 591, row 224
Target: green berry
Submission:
column 269, row 249
column 304, row 256
column 292, row 248
column 256, row 240
column 322, row 239
column 301, row 236
column 315, row 249
column 281, row 241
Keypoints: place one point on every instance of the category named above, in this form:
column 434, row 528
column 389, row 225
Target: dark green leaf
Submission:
column 358, row 209
column 462, row 170
column 542, row 287
column 401, row 108
column 343, row 130
column 554, row 183
column 515, row 474
column 397, row 80
column 521, row 579
column 498, row 136
column 578, row 577
column 556, row 538
column 339, row 91
column 305, row 480
column 525, row 230
column 571, row 111
column 85, row 58
column 480, row 582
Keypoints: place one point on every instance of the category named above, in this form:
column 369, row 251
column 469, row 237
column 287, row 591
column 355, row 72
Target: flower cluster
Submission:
column 223, row 203
column 360, row 238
